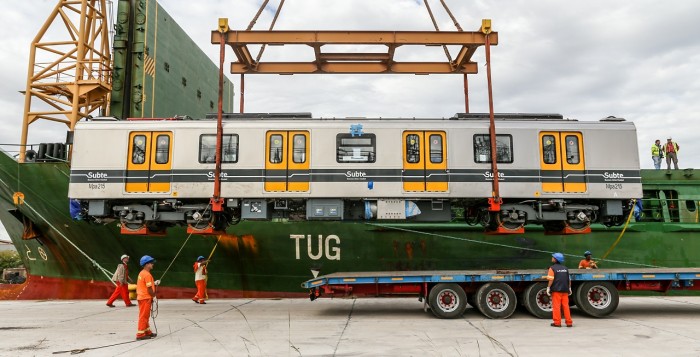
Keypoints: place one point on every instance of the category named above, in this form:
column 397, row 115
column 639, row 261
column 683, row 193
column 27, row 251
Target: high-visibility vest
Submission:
column 655, row 150
column 668, row 146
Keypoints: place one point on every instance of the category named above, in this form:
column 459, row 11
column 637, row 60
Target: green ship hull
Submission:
column 160, row 72
column 65, row 257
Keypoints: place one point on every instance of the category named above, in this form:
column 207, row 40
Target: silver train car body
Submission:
column 552, row 171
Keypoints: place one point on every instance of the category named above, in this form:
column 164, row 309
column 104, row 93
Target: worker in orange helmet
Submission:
column 145, row 293
column 587, row 262
column 200, row 279
column 559, row 288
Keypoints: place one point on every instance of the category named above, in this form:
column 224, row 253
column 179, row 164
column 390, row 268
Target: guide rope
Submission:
column 498, row 244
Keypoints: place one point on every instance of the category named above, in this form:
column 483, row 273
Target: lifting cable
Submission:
column 454, row 21
column 272, row 25
column 497, row 244
column 432, row 18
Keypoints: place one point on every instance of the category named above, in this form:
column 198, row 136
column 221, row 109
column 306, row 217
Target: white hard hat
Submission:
column 124, row 256
column 669, row 138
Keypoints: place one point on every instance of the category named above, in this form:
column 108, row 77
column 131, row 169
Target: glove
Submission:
column 570, row 292
column 548, row 292
column 157, row 282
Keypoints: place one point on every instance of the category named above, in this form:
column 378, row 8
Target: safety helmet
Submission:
column 588, row 252
column 559, row 257
column 123, row 256
column 146, row 259
column 200, row 258
column 669, row 138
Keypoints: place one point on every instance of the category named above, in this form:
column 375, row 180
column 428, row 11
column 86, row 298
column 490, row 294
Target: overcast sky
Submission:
column 639, row 60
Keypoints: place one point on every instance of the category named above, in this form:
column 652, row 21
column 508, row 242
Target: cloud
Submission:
column 586, row 60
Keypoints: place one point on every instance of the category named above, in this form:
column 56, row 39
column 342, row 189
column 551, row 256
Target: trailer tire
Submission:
column 496, row 300
column 597, row 298
column 536, row 300
column 447, row 301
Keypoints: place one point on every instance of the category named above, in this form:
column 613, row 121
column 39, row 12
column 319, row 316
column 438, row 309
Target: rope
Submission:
column 629, row 217
column 499, row 244
column 106, row 272
column 183, row 245
column 206, row 278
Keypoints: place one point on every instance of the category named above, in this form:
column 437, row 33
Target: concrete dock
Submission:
column 641, row 326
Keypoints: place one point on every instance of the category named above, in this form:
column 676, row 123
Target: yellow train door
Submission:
column 562, row 162
column 424, row 161
column 149, row 164
column 287, row 161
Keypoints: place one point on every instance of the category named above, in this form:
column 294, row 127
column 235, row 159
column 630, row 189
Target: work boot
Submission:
column 110, row 305
column 554, row 325
column 144, row 337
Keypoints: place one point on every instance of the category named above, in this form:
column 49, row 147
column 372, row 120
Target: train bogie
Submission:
column 552, row 171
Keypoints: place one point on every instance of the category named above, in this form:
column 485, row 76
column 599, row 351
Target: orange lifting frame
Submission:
column 355, row 62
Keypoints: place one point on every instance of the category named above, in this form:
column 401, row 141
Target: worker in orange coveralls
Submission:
column 587, row 263
column 145, row 293
column 559, row 288
column 200, row 279
column 121, row 279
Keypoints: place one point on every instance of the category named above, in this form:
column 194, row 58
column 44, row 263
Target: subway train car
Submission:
column 151, row 174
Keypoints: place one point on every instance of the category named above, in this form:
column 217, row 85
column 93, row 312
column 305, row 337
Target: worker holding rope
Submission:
column 200, row 279
column 145, row 294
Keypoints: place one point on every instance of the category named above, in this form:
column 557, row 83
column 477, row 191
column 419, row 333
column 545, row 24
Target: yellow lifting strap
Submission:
column 629, row 217
column 206, row 294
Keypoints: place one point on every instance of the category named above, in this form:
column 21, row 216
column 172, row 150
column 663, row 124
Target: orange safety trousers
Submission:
column 123, row 290
column 560, row 301
column 144, row 315
column 201, row 287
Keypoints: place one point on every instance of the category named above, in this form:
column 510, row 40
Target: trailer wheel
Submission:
column 536, row 300
column 597, row 299
column 447, row 301
column 496, row 300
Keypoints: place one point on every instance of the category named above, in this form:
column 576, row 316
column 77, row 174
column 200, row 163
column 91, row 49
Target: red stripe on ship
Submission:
column 37, row 287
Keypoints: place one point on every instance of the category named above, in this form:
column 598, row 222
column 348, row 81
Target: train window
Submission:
column 276, row 155
column 356, row 149
column 549, row 149
column 162, row 149
column 138, row 149
column 504, row 148
column 207, row 149
column 299, row 149
column 572, row 153
column 436, row 149
column 412, row 148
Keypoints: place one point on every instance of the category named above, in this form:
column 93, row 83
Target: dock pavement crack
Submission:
column 493, row 340
column 347, row 322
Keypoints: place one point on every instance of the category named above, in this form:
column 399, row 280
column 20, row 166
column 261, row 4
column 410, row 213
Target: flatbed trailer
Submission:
column 496, row 293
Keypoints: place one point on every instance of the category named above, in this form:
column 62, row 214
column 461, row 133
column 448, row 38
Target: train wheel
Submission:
column 133, row 226
column 536, row 300
column 508, row 222
column 496, row 300
column 597, row 298
column 577, row 225
column 447, row 301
